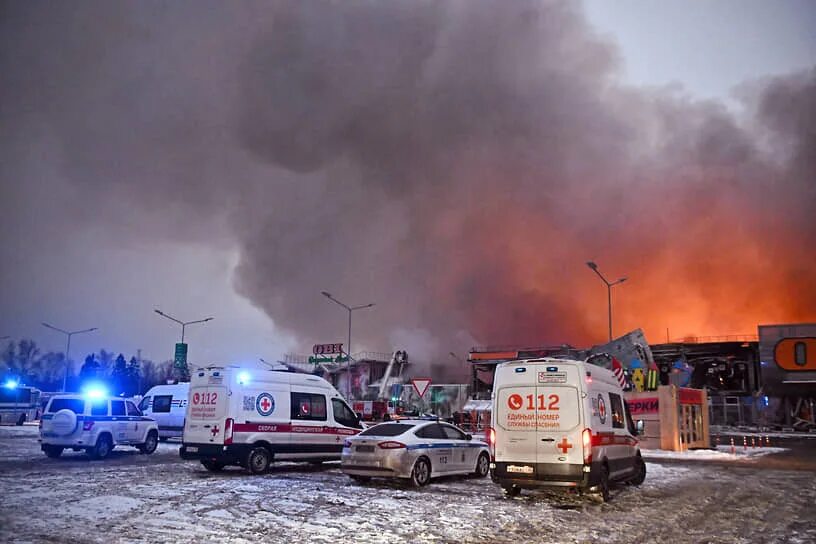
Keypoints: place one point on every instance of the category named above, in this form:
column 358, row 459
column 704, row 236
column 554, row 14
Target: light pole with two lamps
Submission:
column 69, row 334
column 348, row 347
column 609, row 285
column 183, row 371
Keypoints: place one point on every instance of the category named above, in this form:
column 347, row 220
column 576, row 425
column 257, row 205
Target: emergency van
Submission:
column 251, row 417
column 167, row 404
column 561, row 423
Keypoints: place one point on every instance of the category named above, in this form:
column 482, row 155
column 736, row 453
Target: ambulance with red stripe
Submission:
column 561, row 423
column 249, row 418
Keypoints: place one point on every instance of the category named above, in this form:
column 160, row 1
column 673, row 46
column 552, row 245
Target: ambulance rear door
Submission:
column 208, row 407
column 513, row 422
column 557, row 405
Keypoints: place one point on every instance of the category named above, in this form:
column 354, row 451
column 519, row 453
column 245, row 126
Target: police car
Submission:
column 95, row 423
column 413, row 449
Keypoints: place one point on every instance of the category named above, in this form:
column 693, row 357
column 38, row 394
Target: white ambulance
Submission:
column 561, row 423
column 251, row 417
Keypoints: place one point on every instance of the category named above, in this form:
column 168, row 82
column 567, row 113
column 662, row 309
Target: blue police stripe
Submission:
column 104, row 418
column 438, row 446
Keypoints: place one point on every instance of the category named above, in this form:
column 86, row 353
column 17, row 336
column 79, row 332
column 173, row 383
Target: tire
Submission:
column 53, row 451
column 421, row 474
column 258, row 460
column 150, row 443
column 360, row 479
column 603, row 484
column 21, row 420
column 212, row 466
column 102, row 448
column 640, row 472
column 482, row 466
column 512, row 491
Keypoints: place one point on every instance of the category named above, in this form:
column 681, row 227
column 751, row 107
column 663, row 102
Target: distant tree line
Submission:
column 23, row 361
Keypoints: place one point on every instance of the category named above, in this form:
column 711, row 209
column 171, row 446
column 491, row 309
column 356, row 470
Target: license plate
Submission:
column 192, row 449
column 520, row 470
column 364, row 448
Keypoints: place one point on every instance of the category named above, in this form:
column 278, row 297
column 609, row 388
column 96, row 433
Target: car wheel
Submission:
column 421, row 474
column 212, row 466
column 512, row 491
column 258, row 459
column 640, row 471
column 603, row 485
column 482, row 466
column 360, row 479
column 150, row 443
column 53, row 451
column 102, row 448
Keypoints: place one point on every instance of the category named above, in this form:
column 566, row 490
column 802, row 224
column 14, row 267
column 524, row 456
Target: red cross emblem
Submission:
column 215, row 430
column 563, row 445
column 265, row 404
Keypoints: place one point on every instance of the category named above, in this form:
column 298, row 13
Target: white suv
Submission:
column 95, row 425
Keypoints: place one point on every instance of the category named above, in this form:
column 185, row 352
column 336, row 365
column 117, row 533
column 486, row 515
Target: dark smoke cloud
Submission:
column 455, row 162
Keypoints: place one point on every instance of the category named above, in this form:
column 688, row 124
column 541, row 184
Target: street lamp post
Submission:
column 609, row 285
column 183, row 324
column 69, row 334
column 348, row 347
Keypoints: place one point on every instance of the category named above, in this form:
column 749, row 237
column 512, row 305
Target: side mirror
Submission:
column 639, row 426
column 469, row 436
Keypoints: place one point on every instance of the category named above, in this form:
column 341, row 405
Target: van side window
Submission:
column 343, row 414
column 618, row 420
column 308, row 406
column 630, row 423
column 161, row 403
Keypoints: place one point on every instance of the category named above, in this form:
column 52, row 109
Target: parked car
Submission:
column 414, row 449
column 96, row 424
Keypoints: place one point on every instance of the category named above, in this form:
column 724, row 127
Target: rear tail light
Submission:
column 391, row 445
column 586, row 441
column 87, row 426
column 228, row 431
column 490, row 437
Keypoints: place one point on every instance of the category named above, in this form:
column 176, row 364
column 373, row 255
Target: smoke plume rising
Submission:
column 454, row 162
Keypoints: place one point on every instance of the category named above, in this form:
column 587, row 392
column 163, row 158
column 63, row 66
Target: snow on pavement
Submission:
column 159, row 498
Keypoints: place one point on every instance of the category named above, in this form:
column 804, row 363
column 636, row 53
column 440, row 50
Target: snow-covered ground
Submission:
column 722, row 453
column 159, row 498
